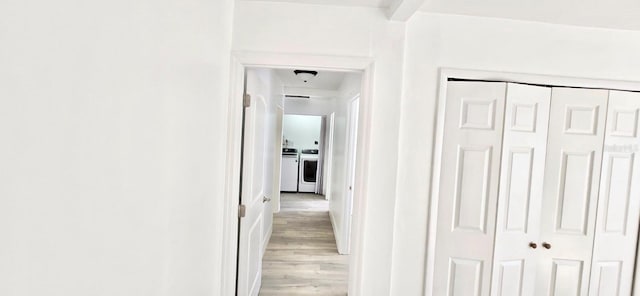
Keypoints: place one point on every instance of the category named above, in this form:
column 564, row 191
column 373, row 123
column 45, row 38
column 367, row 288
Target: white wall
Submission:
column 338, row 201
column 313, row 106
column 302, row 131
column 435, row 41
column 264, row 82
column 346, row 31
column 111, row 159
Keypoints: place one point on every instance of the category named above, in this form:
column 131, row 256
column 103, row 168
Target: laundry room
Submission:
column 301, row 134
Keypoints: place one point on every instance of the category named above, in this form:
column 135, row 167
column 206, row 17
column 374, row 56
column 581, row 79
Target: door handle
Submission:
column 546, row 245
column 533, row 245
column 266, row 199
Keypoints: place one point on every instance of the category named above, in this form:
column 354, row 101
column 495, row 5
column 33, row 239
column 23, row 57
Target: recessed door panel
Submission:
column 617, row 192
column 606, row 278
column 465, row 277
column 566, row 278
column 519, row 179
column 574, row 192
column 472, row 185
column 510, row 276
column 474, row 120
column 616, row 230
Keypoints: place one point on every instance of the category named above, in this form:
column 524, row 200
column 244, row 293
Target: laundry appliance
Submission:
column 289, row 170
column 308, row 170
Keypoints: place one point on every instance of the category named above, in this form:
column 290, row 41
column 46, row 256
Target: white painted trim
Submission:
column 239, row 62
column 445, row 75
column 267, row 238
column 277, row 174
column 335, row 232
column 328, row 172
column 232, row 180
column 403, row 10
column 350, row 175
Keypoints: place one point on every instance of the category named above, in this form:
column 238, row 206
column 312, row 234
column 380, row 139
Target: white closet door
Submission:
column 572, row 178
column 619, row 203
column 520, row 198
column 468, row 188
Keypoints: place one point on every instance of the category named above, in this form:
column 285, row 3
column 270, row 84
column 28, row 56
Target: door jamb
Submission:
column 240, row 60
column 351, row 161
column 453, row 73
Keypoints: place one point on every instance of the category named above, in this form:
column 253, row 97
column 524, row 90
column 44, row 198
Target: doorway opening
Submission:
column 300, row 184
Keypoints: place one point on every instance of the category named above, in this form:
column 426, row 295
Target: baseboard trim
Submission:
column 335, row 234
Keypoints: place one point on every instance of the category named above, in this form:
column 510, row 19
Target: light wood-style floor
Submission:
column 302, row 258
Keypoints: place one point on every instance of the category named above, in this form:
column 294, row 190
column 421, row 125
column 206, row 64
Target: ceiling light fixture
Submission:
column 305, row 75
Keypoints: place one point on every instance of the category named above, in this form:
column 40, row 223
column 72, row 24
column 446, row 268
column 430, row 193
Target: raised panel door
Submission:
column 469, row 188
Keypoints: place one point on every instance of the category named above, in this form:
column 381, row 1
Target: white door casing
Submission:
column 468, row 188
column 616, row 230
column 352, row 140
column 520, row 196
column 277, row 174
column 572, row 179
column 251, row 226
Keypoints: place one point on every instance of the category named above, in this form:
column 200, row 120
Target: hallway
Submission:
column 302, row 258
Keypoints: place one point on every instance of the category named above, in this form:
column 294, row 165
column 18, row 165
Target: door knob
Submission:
column 265, row 199
column 533, row 245
column 546, row 245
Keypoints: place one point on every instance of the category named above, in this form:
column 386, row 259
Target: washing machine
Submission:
column 289, row 170
column 308, row 170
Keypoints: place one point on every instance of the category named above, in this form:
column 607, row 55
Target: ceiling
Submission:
column 615, row 14
column 363, row 3
column 325, row 80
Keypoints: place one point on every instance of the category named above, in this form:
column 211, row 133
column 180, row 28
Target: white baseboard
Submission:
column 267, row 238
column 339, row 244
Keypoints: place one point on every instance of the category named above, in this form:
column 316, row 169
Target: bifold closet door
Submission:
column 520, row 197
column 570, row 194
column 469, row 177
column 616, row 230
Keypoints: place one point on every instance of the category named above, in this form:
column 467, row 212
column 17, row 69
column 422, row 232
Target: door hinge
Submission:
column 242, row 211
column 247, row 100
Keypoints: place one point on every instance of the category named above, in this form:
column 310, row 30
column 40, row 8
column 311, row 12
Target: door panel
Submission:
column 570, row 193
column 469, row 188
column 616, row 231
column 566, row 277
column 509, row 279
column 520, row 197
column 465, row 277
column 251, row 226
column 574, row 192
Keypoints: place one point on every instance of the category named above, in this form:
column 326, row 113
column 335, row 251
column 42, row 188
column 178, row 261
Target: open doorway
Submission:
column 298, row 174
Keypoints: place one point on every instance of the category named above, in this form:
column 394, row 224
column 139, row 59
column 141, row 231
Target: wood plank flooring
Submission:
column 302, row 258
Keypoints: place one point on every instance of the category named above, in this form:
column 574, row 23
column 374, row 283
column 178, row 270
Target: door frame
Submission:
column 328, row 154
column 352, row 155
column 240, row 61
column 481, row 75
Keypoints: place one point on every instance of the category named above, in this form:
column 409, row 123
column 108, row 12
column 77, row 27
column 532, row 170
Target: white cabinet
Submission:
column 539, row 191
column 289, row 171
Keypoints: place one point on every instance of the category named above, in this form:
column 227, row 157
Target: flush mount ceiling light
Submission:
column 305, row 75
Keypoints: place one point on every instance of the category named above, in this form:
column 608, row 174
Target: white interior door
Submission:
column 520, row 197
column 251, row 226
column 572, row 179
column 468, row 188
column 351, row 171
column 616, row 231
